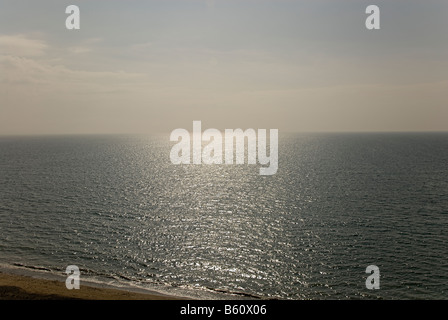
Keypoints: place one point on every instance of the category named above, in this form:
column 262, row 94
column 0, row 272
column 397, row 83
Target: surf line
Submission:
column 212, row 153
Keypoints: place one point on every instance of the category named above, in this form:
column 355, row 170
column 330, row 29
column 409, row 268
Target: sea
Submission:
column 116, row 207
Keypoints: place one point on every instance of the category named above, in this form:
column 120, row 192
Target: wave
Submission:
column 123, row 282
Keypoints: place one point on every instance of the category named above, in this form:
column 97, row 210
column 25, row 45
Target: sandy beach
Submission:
column 18, row 287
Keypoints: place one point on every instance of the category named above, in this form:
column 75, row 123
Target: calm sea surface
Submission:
column 117, row 208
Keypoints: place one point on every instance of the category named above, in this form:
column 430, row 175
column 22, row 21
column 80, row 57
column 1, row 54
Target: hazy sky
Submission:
column 154, row 66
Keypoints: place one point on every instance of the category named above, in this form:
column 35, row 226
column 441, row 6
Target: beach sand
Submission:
column 18, row 287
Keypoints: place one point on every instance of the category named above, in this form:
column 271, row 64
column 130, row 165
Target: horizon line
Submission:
column 167, row 133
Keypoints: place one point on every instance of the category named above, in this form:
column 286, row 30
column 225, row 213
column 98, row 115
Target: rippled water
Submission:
column 116, row 207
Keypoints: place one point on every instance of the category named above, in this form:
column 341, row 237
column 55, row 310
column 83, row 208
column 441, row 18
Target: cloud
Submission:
column 79, row 50
column 21, row 73
column 22, row 46
column 84, row 46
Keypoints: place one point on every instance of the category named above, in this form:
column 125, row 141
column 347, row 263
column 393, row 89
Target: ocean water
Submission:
column 117, row 208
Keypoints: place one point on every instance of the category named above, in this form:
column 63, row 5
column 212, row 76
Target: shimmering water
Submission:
column 116, row 207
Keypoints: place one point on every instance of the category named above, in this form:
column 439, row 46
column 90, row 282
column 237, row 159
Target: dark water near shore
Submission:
column 116, row 207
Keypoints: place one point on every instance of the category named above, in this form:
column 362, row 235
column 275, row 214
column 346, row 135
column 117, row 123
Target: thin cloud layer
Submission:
column 21, row 46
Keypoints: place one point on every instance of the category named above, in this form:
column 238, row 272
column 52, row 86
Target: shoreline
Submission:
column 21, row 287
column 17, row 280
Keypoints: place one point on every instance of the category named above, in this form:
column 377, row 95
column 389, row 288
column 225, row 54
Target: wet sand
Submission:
column 18, row 287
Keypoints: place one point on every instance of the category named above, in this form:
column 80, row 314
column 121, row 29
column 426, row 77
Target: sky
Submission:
column 154, row 66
